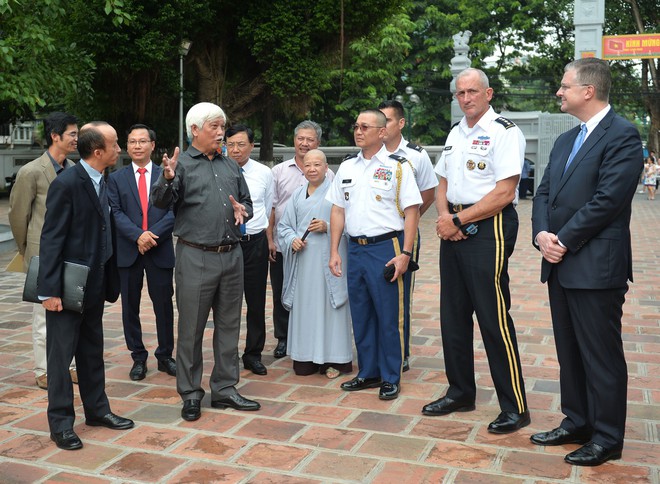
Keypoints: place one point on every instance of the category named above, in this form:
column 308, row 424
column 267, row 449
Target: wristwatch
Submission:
column 456, row 220
column 407, row 252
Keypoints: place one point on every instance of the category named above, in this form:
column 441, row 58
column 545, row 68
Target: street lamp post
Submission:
column 183, row 51
column 409, row 104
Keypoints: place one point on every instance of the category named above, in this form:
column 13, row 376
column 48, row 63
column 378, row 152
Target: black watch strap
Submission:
column 456, row 220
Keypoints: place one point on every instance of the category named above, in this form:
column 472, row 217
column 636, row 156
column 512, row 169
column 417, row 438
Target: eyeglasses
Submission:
column 73, row 134
column 363, row 127
column 138, row 142
column 240, row 145
column 566, row 87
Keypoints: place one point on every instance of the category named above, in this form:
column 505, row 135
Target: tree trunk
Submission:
column 266, row 147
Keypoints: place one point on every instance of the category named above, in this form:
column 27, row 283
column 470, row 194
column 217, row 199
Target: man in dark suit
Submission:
column 144, row 243
column 78, row 228
column 581, row 225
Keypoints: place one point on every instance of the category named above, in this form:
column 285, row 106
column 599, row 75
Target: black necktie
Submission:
column 103, row 200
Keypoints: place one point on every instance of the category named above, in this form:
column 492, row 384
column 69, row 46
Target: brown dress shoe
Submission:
column 42, row 381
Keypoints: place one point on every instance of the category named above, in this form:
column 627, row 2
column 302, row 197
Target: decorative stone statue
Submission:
column 459, row 62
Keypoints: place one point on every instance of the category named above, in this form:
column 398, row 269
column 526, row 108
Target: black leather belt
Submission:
column 210, row 248
column 459, row 207
column 249, row 237
column 364, row 240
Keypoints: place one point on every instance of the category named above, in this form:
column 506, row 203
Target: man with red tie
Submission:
column 144, row 243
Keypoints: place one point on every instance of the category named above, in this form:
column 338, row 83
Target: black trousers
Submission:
column 255, row 276
column 280, row 315
column 593, row 374
column 161, row 290
column 474, row 279
column 70, row 334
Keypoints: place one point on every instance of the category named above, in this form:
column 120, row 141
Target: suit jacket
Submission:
column 27, row 204
column 125, row 202
column 74, row 230
column 589, row 206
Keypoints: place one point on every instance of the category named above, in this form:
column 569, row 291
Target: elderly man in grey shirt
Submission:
column 211, row 199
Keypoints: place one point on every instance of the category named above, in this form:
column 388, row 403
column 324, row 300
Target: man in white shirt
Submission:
column 425, row 177
column 255, row 241
column 144, row 246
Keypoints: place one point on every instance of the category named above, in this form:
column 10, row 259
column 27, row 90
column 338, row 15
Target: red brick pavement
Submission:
column 309, row 431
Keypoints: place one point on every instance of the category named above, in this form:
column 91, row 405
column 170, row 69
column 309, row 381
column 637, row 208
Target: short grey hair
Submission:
column 483, row 78
column 200, row 113
column 307, row 124
column 593, row 72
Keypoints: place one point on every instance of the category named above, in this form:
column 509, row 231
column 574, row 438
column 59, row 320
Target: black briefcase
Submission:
column 73, row 288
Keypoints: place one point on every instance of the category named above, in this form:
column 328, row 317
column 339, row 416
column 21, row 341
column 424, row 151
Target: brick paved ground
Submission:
column 309, row 431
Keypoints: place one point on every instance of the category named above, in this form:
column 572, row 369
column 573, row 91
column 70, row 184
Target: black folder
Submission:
column 73, row 287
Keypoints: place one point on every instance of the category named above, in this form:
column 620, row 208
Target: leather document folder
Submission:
column 73, row 289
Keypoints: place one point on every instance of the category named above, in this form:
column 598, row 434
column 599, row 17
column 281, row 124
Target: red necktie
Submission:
column 144, row 200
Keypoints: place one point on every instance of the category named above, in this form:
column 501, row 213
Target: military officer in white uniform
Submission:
column 478, row 224
column 376, row 200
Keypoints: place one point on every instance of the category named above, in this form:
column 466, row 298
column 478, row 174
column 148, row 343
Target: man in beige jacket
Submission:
column 27, row 208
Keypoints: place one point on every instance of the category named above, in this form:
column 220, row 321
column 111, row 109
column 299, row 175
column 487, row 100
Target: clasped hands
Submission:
column 316, row 225
column 550, row 247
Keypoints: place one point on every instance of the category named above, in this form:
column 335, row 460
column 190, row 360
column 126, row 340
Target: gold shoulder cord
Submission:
column 399, row 174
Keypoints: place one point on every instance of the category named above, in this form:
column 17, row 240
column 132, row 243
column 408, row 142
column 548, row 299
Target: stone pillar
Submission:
column 459, row 62
column 588, row 18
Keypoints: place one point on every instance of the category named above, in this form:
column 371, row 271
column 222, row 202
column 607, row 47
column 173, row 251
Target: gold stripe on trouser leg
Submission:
column 501, row 311
column 399, row 282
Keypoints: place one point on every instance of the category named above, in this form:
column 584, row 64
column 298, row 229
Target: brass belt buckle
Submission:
column 363, row 241
column 458, row 207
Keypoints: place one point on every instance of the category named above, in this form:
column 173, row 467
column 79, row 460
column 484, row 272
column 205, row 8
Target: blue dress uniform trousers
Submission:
column 378, row 308
column 474, row 279
column 409, row 295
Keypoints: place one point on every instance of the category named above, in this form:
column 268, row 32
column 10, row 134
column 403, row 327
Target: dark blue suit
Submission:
column 157, row 262
column 74, row 230
column 589, row 209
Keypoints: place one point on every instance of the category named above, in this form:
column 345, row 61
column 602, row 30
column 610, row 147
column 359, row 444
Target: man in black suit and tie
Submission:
column 581, row 225
column 144, row 243
column 78, row 228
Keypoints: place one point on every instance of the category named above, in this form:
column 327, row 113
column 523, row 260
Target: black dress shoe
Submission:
column 280, row 349
column 139, row 370
column 560, row 436
column 237, row 402
column 67, row 440
column 592, row 454
column 507, row 422
column 168, row 365
column 255, row 366
column 191, row 410
column 111, row 421
column 358, row 383
column 406, row 365
column 388, row 391
column 445, row 406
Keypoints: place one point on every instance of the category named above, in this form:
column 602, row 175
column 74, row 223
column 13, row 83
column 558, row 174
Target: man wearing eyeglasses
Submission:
column 254, row 242
column 581, row 225
column 27, row 209
column 477, row 221
column 288, row 176
column 376, row 201
column 144, row 243
column 425, row 178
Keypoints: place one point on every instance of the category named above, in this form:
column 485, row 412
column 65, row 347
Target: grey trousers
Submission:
column 205, row 281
